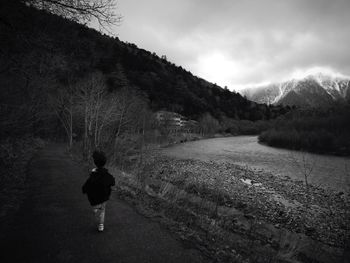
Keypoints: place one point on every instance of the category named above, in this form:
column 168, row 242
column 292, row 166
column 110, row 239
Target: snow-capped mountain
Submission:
column 313, row 90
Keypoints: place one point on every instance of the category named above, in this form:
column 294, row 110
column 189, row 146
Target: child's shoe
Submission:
column 100, row 228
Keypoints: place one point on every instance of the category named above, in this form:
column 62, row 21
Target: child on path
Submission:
column 98, row 188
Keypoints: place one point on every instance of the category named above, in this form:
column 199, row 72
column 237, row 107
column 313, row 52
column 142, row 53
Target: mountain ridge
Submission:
column 313, row 90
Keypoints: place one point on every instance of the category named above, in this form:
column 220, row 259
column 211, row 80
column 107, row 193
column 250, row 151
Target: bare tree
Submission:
column 83, row 11
column 103, row 110
column 209, row 124
column 130, row 107
column 61, row 102
column 305, row 164
column 90, row 93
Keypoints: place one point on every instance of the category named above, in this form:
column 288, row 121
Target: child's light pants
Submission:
column 99, row 211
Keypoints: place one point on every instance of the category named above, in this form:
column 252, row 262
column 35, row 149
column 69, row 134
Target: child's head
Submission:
column 99, row 158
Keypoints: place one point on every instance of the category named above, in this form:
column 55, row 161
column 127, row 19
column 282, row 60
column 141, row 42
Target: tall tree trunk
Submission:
column 96, row 131
column 119, row 127
column 86, row 131
column 70, row 127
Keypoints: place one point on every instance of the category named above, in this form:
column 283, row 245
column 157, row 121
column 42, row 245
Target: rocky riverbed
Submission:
column 233, row 212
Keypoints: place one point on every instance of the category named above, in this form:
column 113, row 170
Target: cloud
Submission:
column 242, row 42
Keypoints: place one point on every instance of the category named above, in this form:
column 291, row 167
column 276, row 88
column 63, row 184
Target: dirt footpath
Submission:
column 55, row 223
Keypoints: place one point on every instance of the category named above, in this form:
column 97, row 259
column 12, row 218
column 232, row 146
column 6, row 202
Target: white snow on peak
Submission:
column 284, row 88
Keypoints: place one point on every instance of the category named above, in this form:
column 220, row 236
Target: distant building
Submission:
column 175, row 122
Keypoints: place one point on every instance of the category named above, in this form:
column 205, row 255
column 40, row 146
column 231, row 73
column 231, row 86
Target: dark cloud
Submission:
column 242, row 42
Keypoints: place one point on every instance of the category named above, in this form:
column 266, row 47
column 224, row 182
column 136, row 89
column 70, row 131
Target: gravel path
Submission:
column 55, row 224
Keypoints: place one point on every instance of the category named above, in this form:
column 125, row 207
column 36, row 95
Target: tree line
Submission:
column 324, row 130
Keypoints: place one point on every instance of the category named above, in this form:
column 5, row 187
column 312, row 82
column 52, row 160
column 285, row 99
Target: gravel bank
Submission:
column 236, row 213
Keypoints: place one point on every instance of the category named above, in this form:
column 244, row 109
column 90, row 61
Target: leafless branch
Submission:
column 83, row 11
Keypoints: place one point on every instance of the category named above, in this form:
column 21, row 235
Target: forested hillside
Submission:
column 61, row 80
column 37, row 47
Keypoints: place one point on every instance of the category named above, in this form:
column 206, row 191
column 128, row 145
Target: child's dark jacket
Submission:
column 98, row 186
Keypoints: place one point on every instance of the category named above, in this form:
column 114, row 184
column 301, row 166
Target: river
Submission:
column 324, row 170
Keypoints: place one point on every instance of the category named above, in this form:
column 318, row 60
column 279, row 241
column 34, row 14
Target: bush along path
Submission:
column 55, row 223
column 14, row 157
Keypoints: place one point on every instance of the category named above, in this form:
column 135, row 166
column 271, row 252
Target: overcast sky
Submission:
column 238, row 43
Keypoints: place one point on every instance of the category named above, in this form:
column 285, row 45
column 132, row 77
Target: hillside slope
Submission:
column 38, row 47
